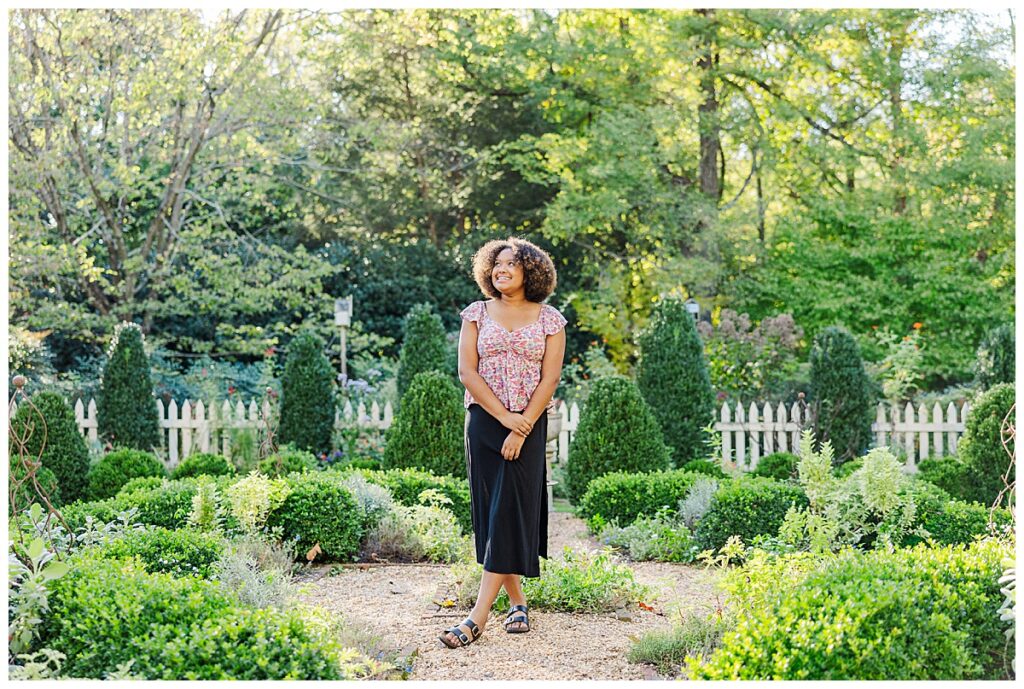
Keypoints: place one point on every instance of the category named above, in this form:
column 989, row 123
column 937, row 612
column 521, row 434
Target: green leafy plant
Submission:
column 672, row 375
column 107, row 477
column 427, row 432
column 841, row 394
column 319, row 511
column 697, row 636
column 307, row 395
column 288, row 460
column 949, row 474
column 253, row 498
column 662, row 537
column 63, row 453
column 200, row 464
column 931, row 608
column 29, row 595
column 747, row 508
column 423, row 346
column 981, row 446
column 620, row 497
column 778, row 465
column 181, row 552
column 995, row 357
column 207, row 510
column 126, row 409
column 406, row 486
column 617, row 432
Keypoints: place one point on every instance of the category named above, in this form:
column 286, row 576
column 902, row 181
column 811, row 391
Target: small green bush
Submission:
column 107, row 612
column 107, row 476
column 126, row 409
column 698, row 636
column 181, row 552
column 747, row 507
column 778, row 465
column 203, row 464
column 842, row 398
column 406, row 485
column 662, row 538
column 26, row 493
column 981, row 447
column 423, row 346
column 307, row 395
column 672, row 374
column 319, row 511
column 141, row 483
column 960, row 522
column 948, row 473
column 427, row 432
column 621, row 497
column 932, row 610
column 995, row 357
column 706, row 467
column 288, row 460
column 167, row 505
column 63, row 453
column 617, row 432
column 261, row 645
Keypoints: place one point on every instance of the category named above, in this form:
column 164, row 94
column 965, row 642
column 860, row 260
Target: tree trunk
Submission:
column 708, row 124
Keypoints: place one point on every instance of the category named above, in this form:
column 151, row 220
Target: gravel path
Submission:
column 394, row 602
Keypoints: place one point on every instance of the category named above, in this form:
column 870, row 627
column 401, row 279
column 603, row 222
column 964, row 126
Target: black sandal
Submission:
column 464, row 640
column 512, row 618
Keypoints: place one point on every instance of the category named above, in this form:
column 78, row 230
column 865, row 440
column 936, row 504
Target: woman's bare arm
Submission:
column 550, row 374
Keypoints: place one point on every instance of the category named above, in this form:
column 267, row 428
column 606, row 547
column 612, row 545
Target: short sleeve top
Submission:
column 510, row 361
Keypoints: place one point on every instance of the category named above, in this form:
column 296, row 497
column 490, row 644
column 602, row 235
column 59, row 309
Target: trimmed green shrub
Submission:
column 167, row 505
column 909, row 614
column 263, row 644
column 842, row 398
column 288, row 460
column 960, row 522
column 319, row 511
column 407, row 484
column 427, row 432
column 64, row 452
column 26, row 493
column 307, row 395
column 747, row 507
column 947, row 473
column 181, row 552
column 126, row 409
column 847, row 468
column 141, row 483
column 621, row 497
column 105, row 613
column 203, row 464
column 706, row 467
column 981, row 447
column 107, row 476
column 423, row 346
column 76, row 513
column 617, row 432
column 778, row 465
column 995, row 359
column 672, row 375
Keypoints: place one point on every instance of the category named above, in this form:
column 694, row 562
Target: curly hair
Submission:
column 539, row 278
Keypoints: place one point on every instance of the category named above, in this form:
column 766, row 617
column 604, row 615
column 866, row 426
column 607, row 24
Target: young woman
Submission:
column 510, row 360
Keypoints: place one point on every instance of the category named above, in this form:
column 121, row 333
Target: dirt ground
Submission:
column 395, row 603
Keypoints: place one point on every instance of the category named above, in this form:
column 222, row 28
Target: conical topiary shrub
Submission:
column 981, row 447
column 424, row 347
column 64, row 452
column 427, row 432
column 672, row 375
column 126, row 409
column 995, row 361
column 307, row 395
column 617, row 432
column 842, row 398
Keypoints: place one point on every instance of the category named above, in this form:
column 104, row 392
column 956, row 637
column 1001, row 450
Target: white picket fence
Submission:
column 198, row 428
column 747, row 434
column 751, row 433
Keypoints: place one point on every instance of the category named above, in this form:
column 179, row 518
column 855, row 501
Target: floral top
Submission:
column 510, row 361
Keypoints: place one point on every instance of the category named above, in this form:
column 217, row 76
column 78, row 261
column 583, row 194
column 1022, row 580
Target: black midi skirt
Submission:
column 509, row 499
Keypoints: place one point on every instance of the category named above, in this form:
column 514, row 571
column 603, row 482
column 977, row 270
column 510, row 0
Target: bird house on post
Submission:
column 343, row 319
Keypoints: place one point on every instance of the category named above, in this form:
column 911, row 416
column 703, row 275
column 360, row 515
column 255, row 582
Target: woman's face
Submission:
column 507, row 273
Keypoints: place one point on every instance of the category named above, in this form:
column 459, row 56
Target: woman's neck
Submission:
column 514, row 300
